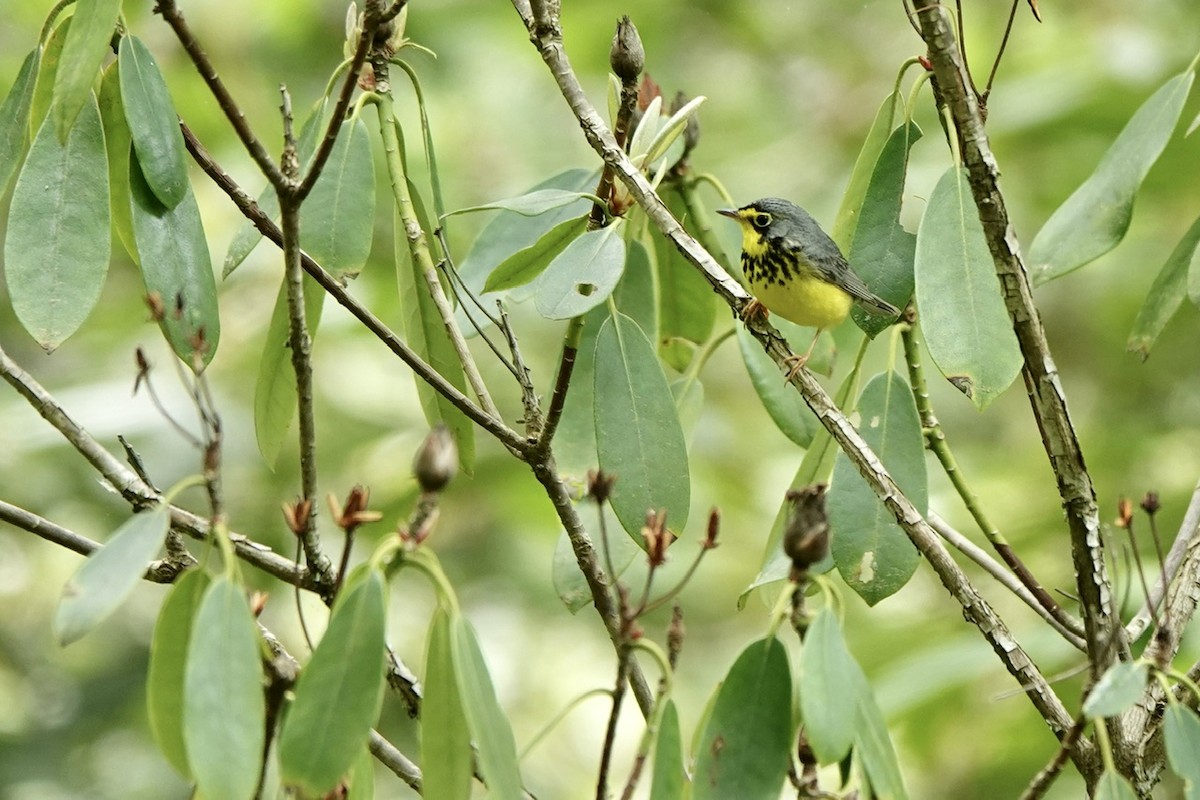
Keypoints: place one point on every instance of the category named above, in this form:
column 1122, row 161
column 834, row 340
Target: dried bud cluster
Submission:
column 806, row 537
column 627, row 56
column 1124, row 513
column 436, row 461
column 657, row 537
column 1150, row 503
column 600, row 485
column 355, row 511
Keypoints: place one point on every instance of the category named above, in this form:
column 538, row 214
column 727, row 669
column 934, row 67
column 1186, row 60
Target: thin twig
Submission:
column 610, row 730
column 1186, row 540
column 1041, row 782
column 400, row 765
column 987, row 90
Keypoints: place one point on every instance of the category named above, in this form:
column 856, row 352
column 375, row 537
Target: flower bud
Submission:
column 627, row 57
column 436, row 460
column 806, row 537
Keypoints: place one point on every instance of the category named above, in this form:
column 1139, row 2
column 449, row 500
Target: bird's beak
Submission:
column 729, row 212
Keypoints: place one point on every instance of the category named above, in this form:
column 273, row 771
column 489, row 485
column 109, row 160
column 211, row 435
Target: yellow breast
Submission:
column 789, row 289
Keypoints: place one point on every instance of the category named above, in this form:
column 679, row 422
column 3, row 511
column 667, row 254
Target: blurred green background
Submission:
column 792, row 88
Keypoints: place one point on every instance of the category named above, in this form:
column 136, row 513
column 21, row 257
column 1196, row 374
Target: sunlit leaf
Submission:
column 638, row 435
column 57, row 245
column 1093, row 220
column 338, row 695
column 531, row 204
column 827, row 692
column 153, row 123
column 647, row 128
column 446, row 757
column 745, row 748
column 83, row 53
column 14, row 118
column 275, row 388
column 1119, row 687
column 118, row 143
column 669, row 776
column 966, row 325
column 529, row 262
column 583, row 275
column 871, row 551
column 337, row 218
column 1181, row 733
column 176, row 266
column 1113, row 786
column 168, row 660
column 882, row 252
column 223, row 706
column 1166, row 294
column 110, row 574
column 846, row 221
column 671, row 129
column 489, row 726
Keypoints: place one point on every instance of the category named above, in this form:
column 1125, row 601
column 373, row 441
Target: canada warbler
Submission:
column 795, row 270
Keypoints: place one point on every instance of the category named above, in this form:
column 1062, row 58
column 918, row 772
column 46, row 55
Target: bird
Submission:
column 795, row 270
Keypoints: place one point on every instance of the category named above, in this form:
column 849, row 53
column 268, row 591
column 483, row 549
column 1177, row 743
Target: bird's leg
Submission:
column 797, row 362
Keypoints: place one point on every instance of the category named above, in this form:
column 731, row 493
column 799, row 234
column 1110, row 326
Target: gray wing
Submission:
column 827, row 261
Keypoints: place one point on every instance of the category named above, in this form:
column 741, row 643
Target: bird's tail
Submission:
column 877, row 305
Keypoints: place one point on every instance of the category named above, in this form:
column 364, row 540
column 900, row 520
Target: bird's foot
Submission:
column 754, row 310
column 794, row 363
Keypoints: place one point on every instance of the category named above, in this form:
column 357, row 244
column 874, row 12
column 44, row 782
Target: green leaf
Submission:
column 783, row 403
column 1166, row 293
column 635, row 294
column 82, row 55
column 173, row 254
column 815, row 467
column 1119, row 687
column 57, row 245
column 669, row 777
column 43, row 93
column 670, row 130
column 1112, row 786
column 168, row 660
column 1181, row 732
column 687, row 304
column 583, row 275
column 529, row 262
column 530, row 204
column 153, row 124
column 871, row 551
column 1193, row 278
column 223, row 707
column 638, row 436
column 426, row 334
column 882, row 252
column 846, row 221
column 872, row 744
column 1093, row 220
column 275, row 389
column 340, row 690
column 828, row 700
column 338, row 218
column 575, row 439
column 119, row 144
column 446, row 757
column 966, row 325
column 360, row 784
column 745, row 749
column 14, row 118
column 489, row 726
column 109, row 575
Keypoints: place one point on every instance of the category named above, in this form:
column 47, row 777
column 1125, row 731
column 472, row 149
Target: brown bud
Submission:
column 657, row 537
column 676, row 632
column 714, row 528
column 296, row 514
column 806, row 537
column 627, row 56
column 600, row 485
column 258, row 601
column 143, row 365
column 1150, row 503
column 437, row 460
column 1124, row 513
column 355, row 511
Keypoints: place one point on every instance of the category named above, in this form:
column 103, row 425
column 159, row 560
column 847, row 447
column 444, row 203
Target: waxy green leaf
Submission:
column 43, row 93
column 963, row 316
column 14, row 118
column 846, row 221
column 446, row 757
column 168, row 661
column 882, row 251
column 176, row 266
column 529, row 262
column 871, row 551
column 223, row 707
column 787, row 408
column 634, row 295
column 1119, row 687
column 687, row 304
column 119, row 144
column 1181, row 733
column 669, row 777
column 583, row 275
column 872, row 744
column 340, row 690
column 638, row 435
column 745, row 748
column 1094, row 219
column 828, row 700
column 153, row 123
column 109, row 575
column 83, row 53
column 337, row 218
column 1166, row 293
column 57, row 245
column 1113, row 786
column 531, row 204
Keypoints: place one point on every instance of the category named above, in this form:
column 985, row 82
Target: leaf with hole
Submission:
column 57, row 245
column 340, row 690
column 966, row 325
column 168, row 660
column 153, row 123
column 1094, row 219
column 873, row 554
column 224, row 714
column 109, row 575
column 583, row 275
column 638, row 435
column 83, row 54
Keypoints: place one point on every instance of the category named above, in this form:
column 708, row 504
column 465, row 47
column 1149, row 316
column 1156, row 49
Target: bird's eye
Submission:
column 761, row 220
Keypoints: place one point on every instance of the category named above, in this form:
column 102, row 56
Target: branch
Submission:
column 1187, row 541
column 1045, row 390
